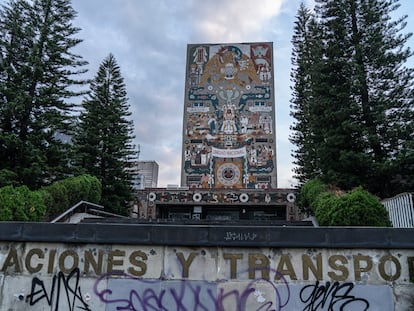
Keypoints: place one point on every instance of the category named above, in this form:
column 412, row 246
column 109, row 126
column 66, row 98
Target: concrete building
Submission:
column 147, row 174
column 229, row 144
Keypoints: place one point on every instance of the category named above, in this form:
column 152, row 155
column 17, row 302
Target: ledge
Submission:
column 209, row 235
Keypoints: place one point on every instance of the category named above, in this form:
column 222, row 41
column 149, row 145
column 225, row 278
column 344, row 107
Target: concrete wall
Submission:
column 131, row 267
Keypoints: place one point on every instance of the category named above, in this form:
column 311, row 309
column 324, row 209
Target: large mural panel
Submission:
column 229, row 117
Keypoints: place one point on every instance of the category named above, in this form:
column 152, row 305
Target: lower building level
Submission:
column 178, row 204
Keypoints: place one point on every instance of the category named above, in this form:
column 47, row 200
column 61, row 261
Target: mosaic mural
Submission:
column 229, row 128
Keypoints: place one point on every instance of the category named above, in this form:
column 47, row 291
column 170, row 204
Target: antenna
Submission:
column 138, row 151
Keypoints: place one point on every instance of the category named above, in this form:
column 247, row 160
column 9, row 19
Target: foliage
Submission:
column 38, row 76
column 309, row 193
column 7, row 178
column 306, row 51
column 353, row 97
column 58, row 200
column 103, row 139
column 84, row 187
column 355, row 208
column 62, row 195
column 21, row 204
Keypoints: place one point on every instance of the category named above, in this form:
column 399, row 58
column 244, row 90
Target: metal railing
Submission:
column 400, row 210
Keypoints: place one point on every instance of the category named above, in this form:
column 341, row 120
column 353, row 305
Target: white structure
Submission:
column 401, row 210
column 147, row 175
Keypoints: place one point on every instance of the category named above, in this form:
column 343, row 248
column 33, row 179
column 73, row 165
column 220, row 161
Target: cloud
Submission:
column 149, row 40
column 232, row 21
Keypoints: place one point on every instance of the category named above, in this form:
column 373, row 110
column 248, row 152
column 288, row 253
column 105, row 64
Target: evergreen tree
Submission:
column 361, row 109
column 38, row 73
column 306, row 52
column 104, row 136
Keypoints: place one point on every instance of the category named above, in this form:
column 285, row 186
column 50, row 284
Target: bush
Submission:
column 82, row 188
column 66, row 193
column 21, row 204
column 58, row 200
column 355, row 208
column 95, row 189
column 309, row 193
column 7, row 203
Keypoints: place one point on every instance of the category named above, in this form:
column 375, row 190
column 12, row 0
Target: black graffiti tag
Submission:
column 72, row 292
column 331, row 295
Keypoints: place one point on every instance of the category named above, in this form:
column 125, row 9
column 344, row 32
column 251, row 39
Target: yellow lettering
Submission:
column 233, row 263
column 12, row 260
column 332, row 261
column 133, row 259
column 308, row 264
column 186, row 263
column 91, row 261
column 259, row 262
column 285, row 267
column 51, row 262
column 383, row 273
column 74, row 261
column 358, row 269
column 115, row 262
column 28, row 261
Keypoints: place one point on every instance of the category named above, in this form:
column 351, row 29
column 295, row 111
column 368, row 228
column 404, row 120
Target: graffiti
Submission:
column 330, row 295
column 143, row 294
column 238, row 236
column 71, row 292
column 148, row 278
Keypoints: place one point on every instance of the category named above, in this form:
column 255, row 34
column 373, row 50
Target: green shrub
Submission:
column 68, row 192
column 59, row 201
column 355, row 208
column 326, row 205
column 95, row 189
column 21, row 204
column 309, row 193
column 7, row 203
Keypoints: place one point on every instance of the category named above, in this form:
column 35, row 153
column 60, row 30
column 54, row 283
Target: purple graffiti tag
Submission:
column 139, row 294
column 195, row 293
column 281, row 299
column 125, row 292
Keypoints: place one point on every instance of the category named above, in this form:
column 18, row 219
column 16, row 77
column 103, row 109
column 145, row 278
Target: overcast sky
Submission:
column 149, row 40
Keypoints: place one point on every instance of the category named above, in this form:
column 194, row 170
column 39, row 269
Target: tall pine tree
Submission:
column 361, row 109
column 306, row 51
column 37, row 74
column 103, row 141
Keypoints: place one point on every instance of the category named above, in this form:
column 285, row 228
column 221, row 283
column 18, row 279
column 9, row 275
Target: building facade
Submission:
column 146, row 175
column 228, row 125
column 228, row 147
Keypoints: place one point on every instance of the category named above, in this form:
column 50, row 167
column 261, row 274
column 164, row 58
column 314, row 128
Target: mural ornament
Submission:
column 152, row 196
column 197, row 197
column 244, row 197
column 291, row 197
